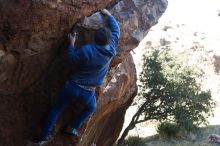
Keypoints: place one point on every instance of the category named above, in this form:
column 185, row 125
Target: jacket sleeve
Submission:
column 74, row 55
column 115, row 33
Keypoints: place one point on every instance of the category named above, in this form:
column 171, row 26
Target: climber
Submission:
column 93, row 61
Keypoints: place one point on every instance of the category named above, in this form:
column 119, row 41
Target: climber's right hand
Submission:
column 106, row 12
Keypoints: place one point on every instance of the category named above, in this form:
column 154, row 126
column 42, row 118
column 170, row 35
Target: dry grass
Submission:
column 200, row 138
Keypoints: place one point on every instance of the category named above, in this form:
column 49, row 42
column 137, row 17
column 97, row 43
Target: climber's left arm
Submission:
column 74, row 55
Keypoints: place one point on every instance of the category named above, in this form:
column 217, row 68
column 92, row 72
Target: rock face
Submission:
column 33, row 66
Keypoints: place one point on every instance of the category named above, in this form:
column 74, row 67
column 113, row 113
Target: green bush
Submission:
column 134, row 141
column 171, row 92
column 168, row 130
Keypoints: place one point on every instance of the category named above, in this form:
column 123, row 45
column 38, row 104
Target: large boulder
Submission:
column 33, row 67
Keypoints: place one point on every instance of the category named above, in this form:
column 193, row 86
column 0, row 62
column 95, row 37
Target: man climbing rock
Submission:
column 93, row 63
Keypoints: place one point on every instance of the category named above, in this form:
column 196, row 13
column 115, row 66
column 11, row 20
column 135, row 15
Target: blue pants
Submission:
column 71, row 93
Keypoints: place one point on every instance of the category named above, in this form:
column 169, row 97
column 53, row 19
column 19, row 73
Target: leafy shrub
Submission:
column 170, row 91
column 134, row 141
column 168, row 130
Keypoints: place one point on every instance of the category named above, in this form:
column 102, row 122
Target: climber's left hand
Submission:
column 72, row 38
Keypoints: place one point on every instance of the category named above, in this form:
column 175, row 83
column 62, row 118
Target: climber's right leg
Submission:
column 88, row 99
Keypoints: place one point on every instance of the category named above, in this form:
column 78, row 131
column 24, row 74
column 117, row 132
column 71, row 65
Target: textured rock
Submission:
column 135, row 18
column 33, row 67
column 31, row 33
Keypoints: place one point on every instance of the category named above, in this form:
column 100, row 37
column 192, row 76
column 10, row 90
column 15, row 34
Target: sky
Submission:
column 196, row 15
column 200, row 14
column 193, row 16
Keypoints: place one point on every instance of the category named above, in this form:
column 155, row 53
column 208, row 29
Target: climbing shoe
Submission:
column 70, row 131
column 41, row 141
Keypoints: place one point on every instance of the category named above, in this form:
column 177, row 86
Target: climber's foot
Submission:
column 40, row 141
column 70, row 131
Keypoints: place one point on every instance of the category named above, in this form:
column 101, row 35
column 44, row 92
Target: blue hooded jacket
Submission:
column 93, row 60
